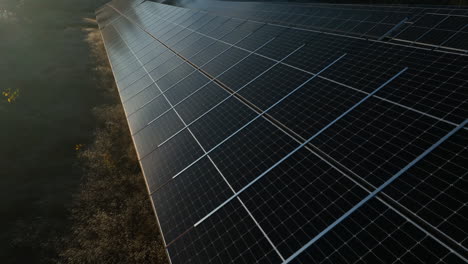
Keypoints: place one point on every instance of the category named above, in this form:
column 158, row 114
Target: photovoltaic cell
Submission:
column 230, row 235
column 130, row 78
column 197, row 46
column 156, row 62
column 266, row 145
column 170, row 33
column 360, row 156
column 458, row 40
column 240, row 32
column 151, row 135
column 137, row 101
column 135, row 87
column 222, row 29
column 314, row 106
column 298, row 199
column 166, row 67
column 153, row 108
column 174, row 76
column 189, row 197
column 274, row 85
column 224, row 61
column 371, row 65
column 322, row 51
column 186, row 42
column 152, row 54
column 435, row 189
column 433, row 84
column 209, row 53
column 191, row 18
column 437, row 86
column 185, row 87
column 288, row 41
column 201, row 22
column 376, row 234
column 260, row 36
column 378, row 139
column 200, row 102
column 435, row 29
column 245, row 71
column 163, row 163
column 214, row 24
column 367, row 22
column 217, row 124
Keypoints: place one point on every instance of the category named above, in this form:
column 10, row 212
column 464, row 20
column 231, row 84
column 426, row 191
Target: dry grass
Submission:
column 112, row 218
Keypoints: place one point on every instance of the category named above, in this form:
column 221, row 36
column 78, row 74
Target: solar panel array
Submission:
column 298, row 133
column 442, row 27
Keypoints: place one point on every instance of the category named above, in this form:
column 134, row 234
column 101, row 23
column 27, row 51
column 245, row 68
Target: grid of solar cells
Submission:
column 435, row 189
column 230, row 236
column 438, row 27
column 434, row 83
column 234, row 184
column 292, row 207
column 189, row 197
column 140, row 99
column 201, row 101
column 140, row 119
column 358, row 22
column 314, row 106
column 225, row 119
column 438, row 30
column 378, row 139
column 224, row 61
column 159, row 130
column 163, row 163
column 377, row 234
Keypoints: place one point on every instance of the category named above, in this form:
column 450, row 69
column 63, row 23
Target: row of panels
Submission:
column 432, row 87
column 437, row 30
column 434, row 26
column 167, row 148
column 355, row 22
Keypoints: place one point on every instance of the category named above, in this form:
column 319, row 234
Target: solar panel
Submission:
column 364, row 21
column 297, row 133
column 434, row 189
column 437, row 30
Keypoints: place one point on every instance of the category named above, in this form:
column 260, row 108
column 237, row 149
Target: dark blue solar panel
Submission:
column 266, row 145
column 435, row 189
column 143, row 97
column 224, row 61
column 288, row 41
column 196, row 47
column 186, row 86
column 159, row 130
column 174, row 76
column 163, row 163
column 330, row 133
column 298, row 199
column 189, row 197
column 230, row 235
column 136, row 87
column 378, row 139
column 201, row 101
column 245, row 71
column 209, row 53
column 220, row 122
column 153, row 108
column 274, row 85
column 314, row 106
column 377, row 234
